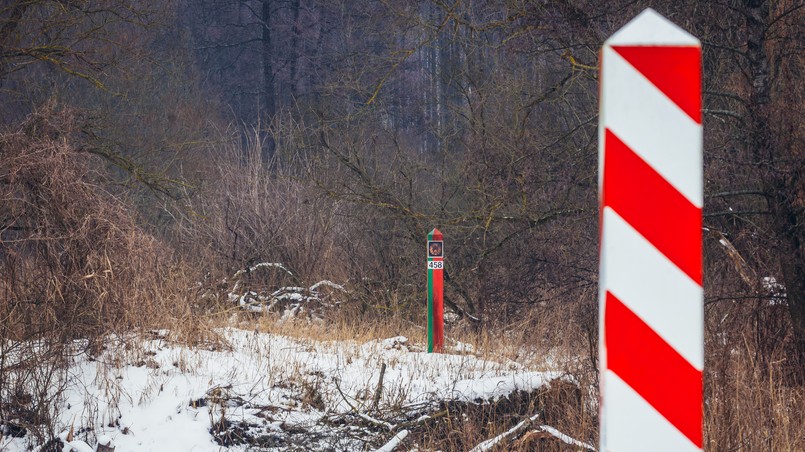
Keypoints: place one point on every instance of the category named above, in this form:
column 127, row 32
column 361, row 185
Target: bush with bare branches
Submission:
column 74, row 263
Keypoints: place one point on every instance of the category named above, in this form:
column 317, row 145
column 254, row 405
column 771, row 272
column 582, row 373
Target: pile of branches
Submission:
column 253, row 292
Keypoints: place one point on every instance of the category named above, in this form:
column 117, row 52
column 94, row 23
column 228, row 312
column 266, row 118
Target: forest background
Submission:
column 151, row 149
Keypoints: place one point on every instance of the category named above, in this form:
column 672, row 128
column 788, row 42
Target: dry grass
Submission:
column 748, row 408
column 752, row 398
column 75, row 265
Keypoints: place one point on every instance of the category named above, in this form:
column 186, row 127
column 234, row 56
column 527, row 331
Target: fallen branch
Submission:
column 564, row 438
column 494, row 442
column 421, row 420
column 327, row 283
column 261, row 265
column 344, row 396
column 395, row 441
column 379, row 422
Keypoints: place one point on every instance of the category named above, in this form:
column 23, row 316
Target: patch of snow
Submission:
column 775, row 289
column 394, row 343
column 275, row 382
column 495, row 387
column 462, row 347
column 105, row 440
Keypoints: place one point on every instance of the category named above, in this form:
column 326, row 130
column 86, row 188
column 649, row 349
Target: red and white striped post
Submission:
column 650, row 180
column 435, row 291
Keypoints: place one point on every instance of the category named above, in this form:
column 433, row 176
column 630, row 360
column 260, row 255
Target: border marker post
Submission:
column 435, row 253
column 650, row 285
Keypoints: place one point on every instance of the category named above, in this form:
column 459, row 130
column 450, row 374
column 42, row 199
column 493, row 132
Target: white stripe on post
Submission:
column 662, row 134
column 626, row 436
column 655, row 289
column 650, row 178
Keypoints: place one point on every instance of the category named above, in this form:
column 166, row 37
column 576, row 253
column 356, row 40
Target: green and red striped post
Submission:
column 435, row 291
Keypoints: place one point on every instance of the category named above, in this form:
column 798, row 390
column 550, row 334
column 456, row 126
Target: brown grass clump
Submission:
column 752, row 398
column 749, row 409
column 74, row 263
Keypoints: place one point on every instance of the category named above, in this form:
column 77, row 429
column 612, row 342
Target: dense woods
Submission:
column 151, row 149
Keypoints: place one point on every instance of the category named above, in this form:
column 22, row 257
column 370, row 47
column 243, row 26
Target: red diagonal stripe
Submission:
column 676, row 71
column 651, row 367
column 661, row 214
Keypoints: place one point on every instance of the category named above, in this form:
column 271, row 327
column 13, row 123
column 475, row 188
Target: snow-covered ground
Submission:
column 274, row 392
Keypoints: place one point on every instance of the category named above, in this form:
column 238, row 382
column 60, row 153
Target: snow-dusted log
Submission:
column 378, row 422
column 496, row 441
column 564, row 438
column 395, row 441
column 262, row 265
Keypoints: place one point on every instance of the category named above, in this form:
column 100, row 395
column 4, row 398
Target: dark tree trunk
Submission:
column 793, row 268
column 269, row 103
column 781, row 179
column 268, row 107
column 297, row 51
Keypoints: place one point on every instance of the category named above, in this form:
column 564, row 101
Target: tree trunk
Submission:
column 793, row 268
column 780, row 179
column 295, row 48
column 268, row 107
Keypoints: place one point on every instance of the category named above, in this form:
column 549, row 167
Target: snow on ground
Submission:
column 161, row 396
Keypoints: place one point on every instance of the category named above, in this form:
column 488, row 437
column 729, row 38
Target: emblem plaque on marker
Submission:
column 435, row 248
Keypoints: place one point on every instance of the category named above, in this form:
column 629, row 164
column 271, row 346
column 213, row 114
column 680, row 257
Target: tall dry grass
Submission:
column 75, row 264
column 749, row 407
column 753, row 400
